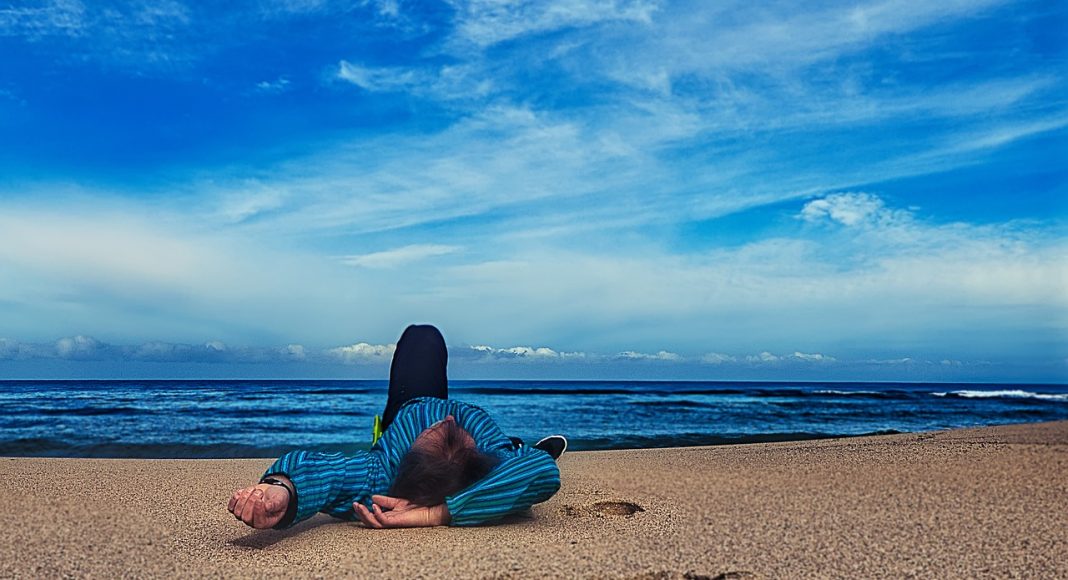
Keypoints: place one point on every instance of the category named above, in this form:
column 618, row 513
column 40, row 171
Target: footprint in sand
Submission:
column 616, row 508
column 605, row 508
column 735, row 575
column 732, row 575
column 691, row 575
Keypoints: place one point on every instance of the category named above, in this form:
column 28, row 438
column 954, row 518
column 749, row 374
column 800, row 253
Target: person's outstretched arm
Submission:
column 530, row 476
column 314, row 482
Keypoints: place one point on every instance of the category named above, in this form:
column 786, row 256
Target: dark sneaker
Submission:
column 554, row 445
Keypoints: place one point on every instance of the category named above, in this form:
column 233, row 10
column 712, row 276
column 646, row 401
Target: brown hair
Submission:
column 427, row 475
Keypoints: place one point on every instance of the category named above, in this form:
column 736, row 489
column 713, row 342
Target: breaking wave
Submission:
column 1004, row 394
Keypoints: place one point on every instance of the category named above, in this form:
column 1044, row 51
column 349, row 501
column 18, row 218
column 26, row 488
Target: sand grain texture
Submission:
column 971, row 503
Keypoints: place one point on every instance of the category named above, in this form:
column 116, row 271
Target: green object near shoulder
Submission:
column 376, row 430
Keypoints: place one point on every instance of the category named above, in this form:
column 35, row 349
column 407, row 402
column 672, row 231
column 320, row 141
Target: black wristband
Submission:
column 291, row 508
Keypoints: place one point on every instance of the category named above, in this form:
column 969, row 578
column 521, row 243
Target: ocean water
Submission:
column 256, row 418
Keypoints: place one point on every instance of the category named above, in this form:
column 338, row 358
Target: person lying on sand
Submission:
column 438, row 461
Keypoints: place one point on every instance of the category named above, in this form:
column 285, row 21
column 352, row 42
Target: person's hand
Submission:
column 396, row 512
column 260, row 506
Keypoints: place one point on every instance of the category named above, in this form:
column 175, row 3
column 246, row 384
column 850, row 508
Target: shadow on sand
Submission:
column 261, row 539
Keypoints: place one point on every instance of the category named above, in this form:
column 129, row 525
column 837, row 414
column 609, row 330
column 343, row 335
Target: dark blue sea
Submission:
column 256, row 418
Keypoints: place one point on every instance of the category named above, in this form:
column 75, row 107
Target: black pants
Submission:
column 418, row 369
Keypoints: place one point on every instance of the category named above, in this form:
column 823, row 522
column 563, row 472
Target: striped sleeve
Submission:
column 529, row 477
column 325, row 482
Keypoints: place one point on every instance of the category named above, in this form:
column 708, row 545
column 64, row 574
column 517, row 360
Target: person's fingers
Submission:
column 370, row 518
column 393, row 519
column 259, row 514
column 241, row 500
column 272, row 505
column 380, row 516
column 360, row 513
column 233, row 501
column 384, row 500
column 375, row 519
column 387, row 501
column 366, row 516
column 241, row 493
column 244, row 505
column 275, row 500
column 249, row 508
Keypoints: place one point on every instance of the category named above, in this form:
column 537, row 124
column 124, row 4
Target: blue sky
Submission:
column 583, row 189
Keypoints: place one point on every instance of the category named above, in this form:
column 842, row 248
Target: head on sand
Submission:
column 442, row 461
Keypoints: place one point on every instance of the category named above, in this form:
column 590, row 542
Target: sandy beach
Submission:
column 984, row 502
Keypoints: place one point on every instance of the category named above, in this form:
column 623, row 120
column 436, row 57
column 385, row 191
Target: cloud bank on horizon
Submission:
column 875, row 189
column 94, row 359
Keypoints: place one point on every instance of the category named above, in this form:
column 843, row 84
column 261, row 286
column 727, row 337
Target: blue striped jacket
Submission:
column 331, row 482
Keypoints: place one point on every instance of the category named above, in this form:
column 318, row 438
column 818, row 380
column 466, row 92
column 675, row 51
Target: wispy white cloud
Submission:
column 389, row 9
column 717, row 358
column 502, row 157
column 852, row 209
column 78, row 347
column 796, row 357
column 294, row 352
column 662, row 355
column 87, row 348
column 133, row 35
column 278, row 85
column 379, row 79
column 10, row 96
column 812, row 357
column 894, row 361
column 1001, row 134
column 397, row 257
column 486, row 353
column 213, row 351
column 248, row 202
column 296, row 6
column 363, row 352
column 37, row 19
column 764, row 357
column 488, row 22
column 526, row 351
column 694, row 39
column 447, row 83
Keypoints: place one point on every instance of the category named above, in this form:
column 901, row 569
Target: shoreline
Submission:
column 962, row 503
column 57, row 450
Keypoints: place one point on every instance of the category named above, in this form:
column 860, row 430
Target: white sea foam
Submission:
column 1006, row 394
column 834, row 392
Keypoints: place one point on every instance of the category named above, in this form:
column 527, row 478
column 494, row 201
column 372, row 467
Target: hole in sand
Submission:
column 616, row 508
column 734, row 575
